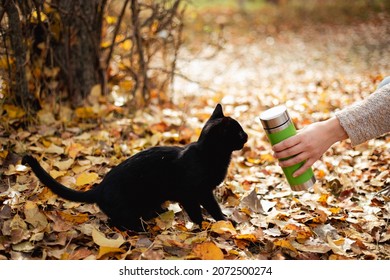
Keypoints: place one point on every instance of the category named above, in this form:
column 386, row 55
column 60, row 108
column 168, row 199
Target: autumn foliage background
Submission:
column 160, row 83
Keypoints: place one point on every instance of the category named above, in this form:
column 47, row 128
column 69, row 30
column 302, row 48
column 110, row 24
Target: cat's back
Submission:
column 147, row 163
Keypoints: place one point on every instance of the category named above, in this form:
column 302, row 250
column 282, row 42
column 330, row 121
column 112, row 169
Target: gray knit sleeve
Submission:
column 367, row 119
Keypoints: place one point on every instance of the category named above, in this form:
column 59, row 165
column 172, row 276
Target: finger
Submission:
column 294, row 160
column 285, row 144
column 303, row 168
column 292, row 151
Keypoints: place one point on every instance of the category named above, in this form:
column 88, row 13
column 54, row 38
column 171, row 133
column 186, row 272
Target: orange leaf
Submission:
column 321, row 217
column 323, row 199
column 249, row 237
column 103, row 251
column 74, row 219
column 208, row 251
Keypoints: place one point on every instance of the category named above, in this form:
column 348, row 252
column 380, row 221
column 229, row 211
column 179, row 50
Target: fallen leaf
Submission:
column 104, row 251
column 60, row 225
column 207, row 251
column 313, row 246
column 13, row 112
column 285, row 244
column 54, row 149
column 74, row 149
column 165, row 220
column 340, row 246
column 248, row 237
column 56, row 174
column 252, row 202
column 23, row 247
column 222, row 227
column 100, row 239
column 74, row 219
column 86, row 178
column 80, row 254
column 33, row 216
column 64, row 164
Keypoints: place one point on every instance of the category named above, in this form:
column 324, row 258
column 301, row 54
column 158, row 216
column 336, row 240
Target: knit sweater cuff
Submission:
column 367, row 119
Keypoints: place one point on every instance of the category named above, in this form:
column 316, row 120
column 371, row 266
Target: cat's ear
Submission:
column 218, row 113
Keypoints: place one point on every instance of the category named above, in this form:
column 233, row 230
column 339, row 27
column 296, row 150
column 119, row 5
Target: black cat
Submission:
column 135, row 189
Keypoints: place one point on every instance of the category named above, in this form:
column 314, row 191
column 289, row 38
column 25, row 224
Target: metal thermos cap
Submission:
column 274, row 117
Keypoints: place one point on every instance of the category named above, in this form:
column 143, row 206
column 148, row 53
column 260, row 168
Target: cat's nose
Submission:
column 244, row 136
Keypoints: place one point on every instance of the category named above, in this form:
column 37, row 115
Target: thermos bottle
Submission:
column 278, row 126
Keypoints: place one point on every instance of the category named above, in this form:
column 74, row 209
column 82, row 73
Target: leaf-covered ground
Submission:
column 314, row 69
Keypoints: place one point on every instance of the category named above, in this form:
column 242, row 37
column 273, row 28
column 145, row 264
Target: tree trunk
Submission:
column 19, row 85
column 78, row 53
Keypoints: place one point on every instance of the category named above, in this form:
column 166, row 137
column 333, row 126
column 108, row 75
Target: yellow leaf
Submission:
column 222, row 227
column 55, row 174
column 108, row 250
column 75, row 149
column 323, row 199
column 86, row 178
column 208, row 251
column 127, row 45
column 165, row 220
column 46, row 143
column 111, row 20
column 335, row 210
column 248, row 237
column 100, row 239
column 126, row 85
column 285, row 244
column 105, row 44
column 154, row 27
column 3, row 154
column 85, row 112
column 14, row 112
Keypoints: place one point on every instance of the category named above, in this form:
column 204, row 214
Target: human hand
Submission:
column 309, row 144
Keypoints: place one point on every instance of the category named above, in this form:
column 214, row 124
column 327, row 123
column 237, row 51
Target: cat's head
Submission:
column 223, row 132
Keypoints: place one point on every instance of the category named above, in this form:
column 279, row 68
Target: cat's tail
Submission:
column 59, row 189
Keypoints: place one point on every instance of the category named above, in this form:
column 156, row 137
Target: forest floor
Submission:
column 247, row 66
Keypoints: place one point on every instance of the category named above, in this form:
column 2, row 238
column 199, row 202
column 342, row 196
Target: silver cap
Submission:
column 274, row 117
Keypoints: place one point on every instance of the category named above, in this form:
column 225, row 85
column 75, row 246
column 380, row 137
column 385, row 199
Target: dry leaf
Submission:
column 64, row 164
column 34, row 216
column 313, row 246
column 86, row 178
column 54, row 149
column 222, row 227
column 207, row 251
column 100, row 239
column 248, row 237
column 252, row 202
column 104, row 251
column 74, row 219
column 285, row 244
column 165, row 220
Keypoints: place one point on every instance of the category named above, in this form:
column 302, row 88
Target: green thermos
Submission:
column 278, row 126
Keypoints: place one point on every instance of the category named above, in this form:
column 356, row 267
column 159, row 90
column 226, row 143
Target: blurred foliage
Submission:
column 55, row 51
